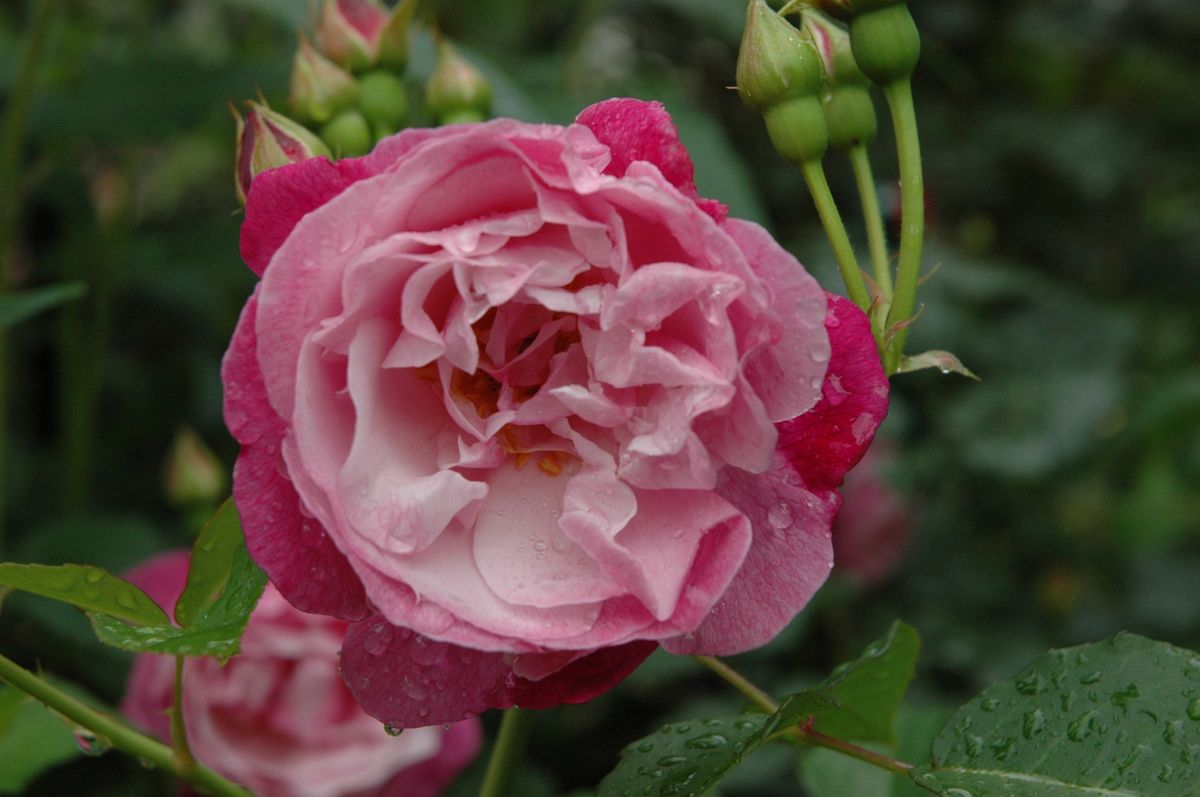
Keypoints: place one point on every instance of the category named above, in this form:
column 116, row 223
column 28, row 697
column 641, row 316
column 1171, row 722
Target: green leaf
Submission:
column 88, row 588
column 211, row 563
column 686, row 759
column 17, row 307
column 1118, row 718
column 864, row 694
column 32, row 739
column 216, row 629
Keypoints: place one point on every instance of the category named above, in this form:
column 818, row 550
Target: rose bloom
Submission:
column 277, row 718
column 522, row 406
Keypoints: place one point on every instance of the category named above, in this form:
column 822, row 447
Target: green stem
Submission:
column 803, row 734
column 831, row 220
column 118, row 733
column 860, row 162
column 506, row 755
column 13, row 138
column 179, row 739
column 740, row 683
column 912, row 215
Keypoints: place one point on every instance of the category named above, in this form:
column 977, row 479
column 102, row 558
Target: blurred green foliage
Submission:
column 1057, row 502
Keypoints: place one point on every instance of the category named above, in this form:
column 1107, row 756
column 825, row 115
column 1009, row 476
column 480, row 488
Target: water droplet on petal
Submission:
column 392, row 730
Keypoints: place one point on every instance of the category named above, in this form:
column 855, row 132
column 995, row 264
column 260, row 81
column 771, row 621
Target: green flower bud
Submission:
column 393, row 44
column 798, row 129
column 774, row 62
column 886, row 43
column 457, row 90
column 193, row 474
column 384, row 100
column 319, row 87
column 849, row 110
column 348, row 134
column 267, row 139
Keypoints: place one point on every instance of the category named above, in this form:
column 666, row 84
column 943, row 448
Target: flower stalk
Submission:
column 912, row 217
column 120, row 735
column 515, row 730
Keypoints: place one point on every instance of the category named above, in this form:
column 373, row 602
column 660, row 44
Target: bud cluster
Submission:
column 347, row 90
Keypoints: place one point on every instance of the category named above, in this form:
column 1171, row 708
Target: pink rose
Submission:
column 277, row 718
column 517, row 401
column 873, row 529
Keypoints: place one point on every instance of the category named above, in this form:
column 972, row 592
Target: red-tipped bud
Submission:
column 849, row 111
column 457, row 91
column 319, row 87
column 192, row 473
column 267, row 139
column 349, row 30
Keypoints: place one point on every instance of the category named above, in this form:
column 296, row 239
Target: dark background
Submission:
column 1054, row 502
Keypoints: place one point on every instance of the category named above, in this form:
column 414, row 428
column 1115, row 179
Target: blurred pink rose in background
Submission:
column 873, row 529
column 520, row 403
column 277, row 718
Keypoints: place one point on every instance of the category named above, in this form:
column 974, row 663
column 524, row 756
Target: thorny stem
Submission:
column 860, row 162
column 804, row 734
column 117, row 733
column 515, row 729
column 835, row 230
column 912, row 215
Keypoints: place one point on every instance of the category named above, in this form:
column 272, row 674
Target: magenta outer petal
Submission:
column 294, row 549
column 636, row 130
column 407, row 680
column 460, row 745
column 826, row 442
column 792, row 506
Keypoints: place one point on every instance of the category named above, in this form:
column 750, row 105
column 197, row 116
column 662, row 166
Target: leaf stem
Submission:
column 912, row 214
column 860, row 162
column 515, row 729
column 803, row 734
column 118, row 733
column 179, row 739
column 12, row 133
column 835, row 230
column 740, row 683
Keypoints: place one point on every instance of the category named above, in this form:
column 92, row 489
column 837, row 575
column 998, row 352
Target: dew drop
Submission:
column 710, row 741
column 780, row 516
column 989, row 704
column 1030, row 684
column 392, row 730
column 672, row 760
column 956, row 792
column 1033, row 723
column 1166, row 773
column 1090, row 678
column 540, row 546
column 1082, row 726
column 93, row 577
column 1193, row 709
column 646, row 747
column 90, row 744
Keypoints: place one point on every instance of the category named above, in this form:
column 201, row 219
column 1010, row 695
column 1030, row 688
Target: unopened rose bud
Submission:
column 775, row 62
column 267, row 139
column 393, row 43
column 779, row 74
column 349, row 30
column 384, row 101
column 885, row 38
column 846, row 100
column 348, row 134
column 457, row 91
column 319, row 87
column 193, row 474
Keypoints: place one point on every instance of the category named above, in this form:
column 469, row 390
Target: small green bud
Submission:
column 393, row 44
column 348, row 134
column 267, row 139
column 456, row 90
column 849, row 111
column 798, row 129
column 319, row 87
column 886, row 43
column 384, row 100
column 193, row 474
column 774, row 62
